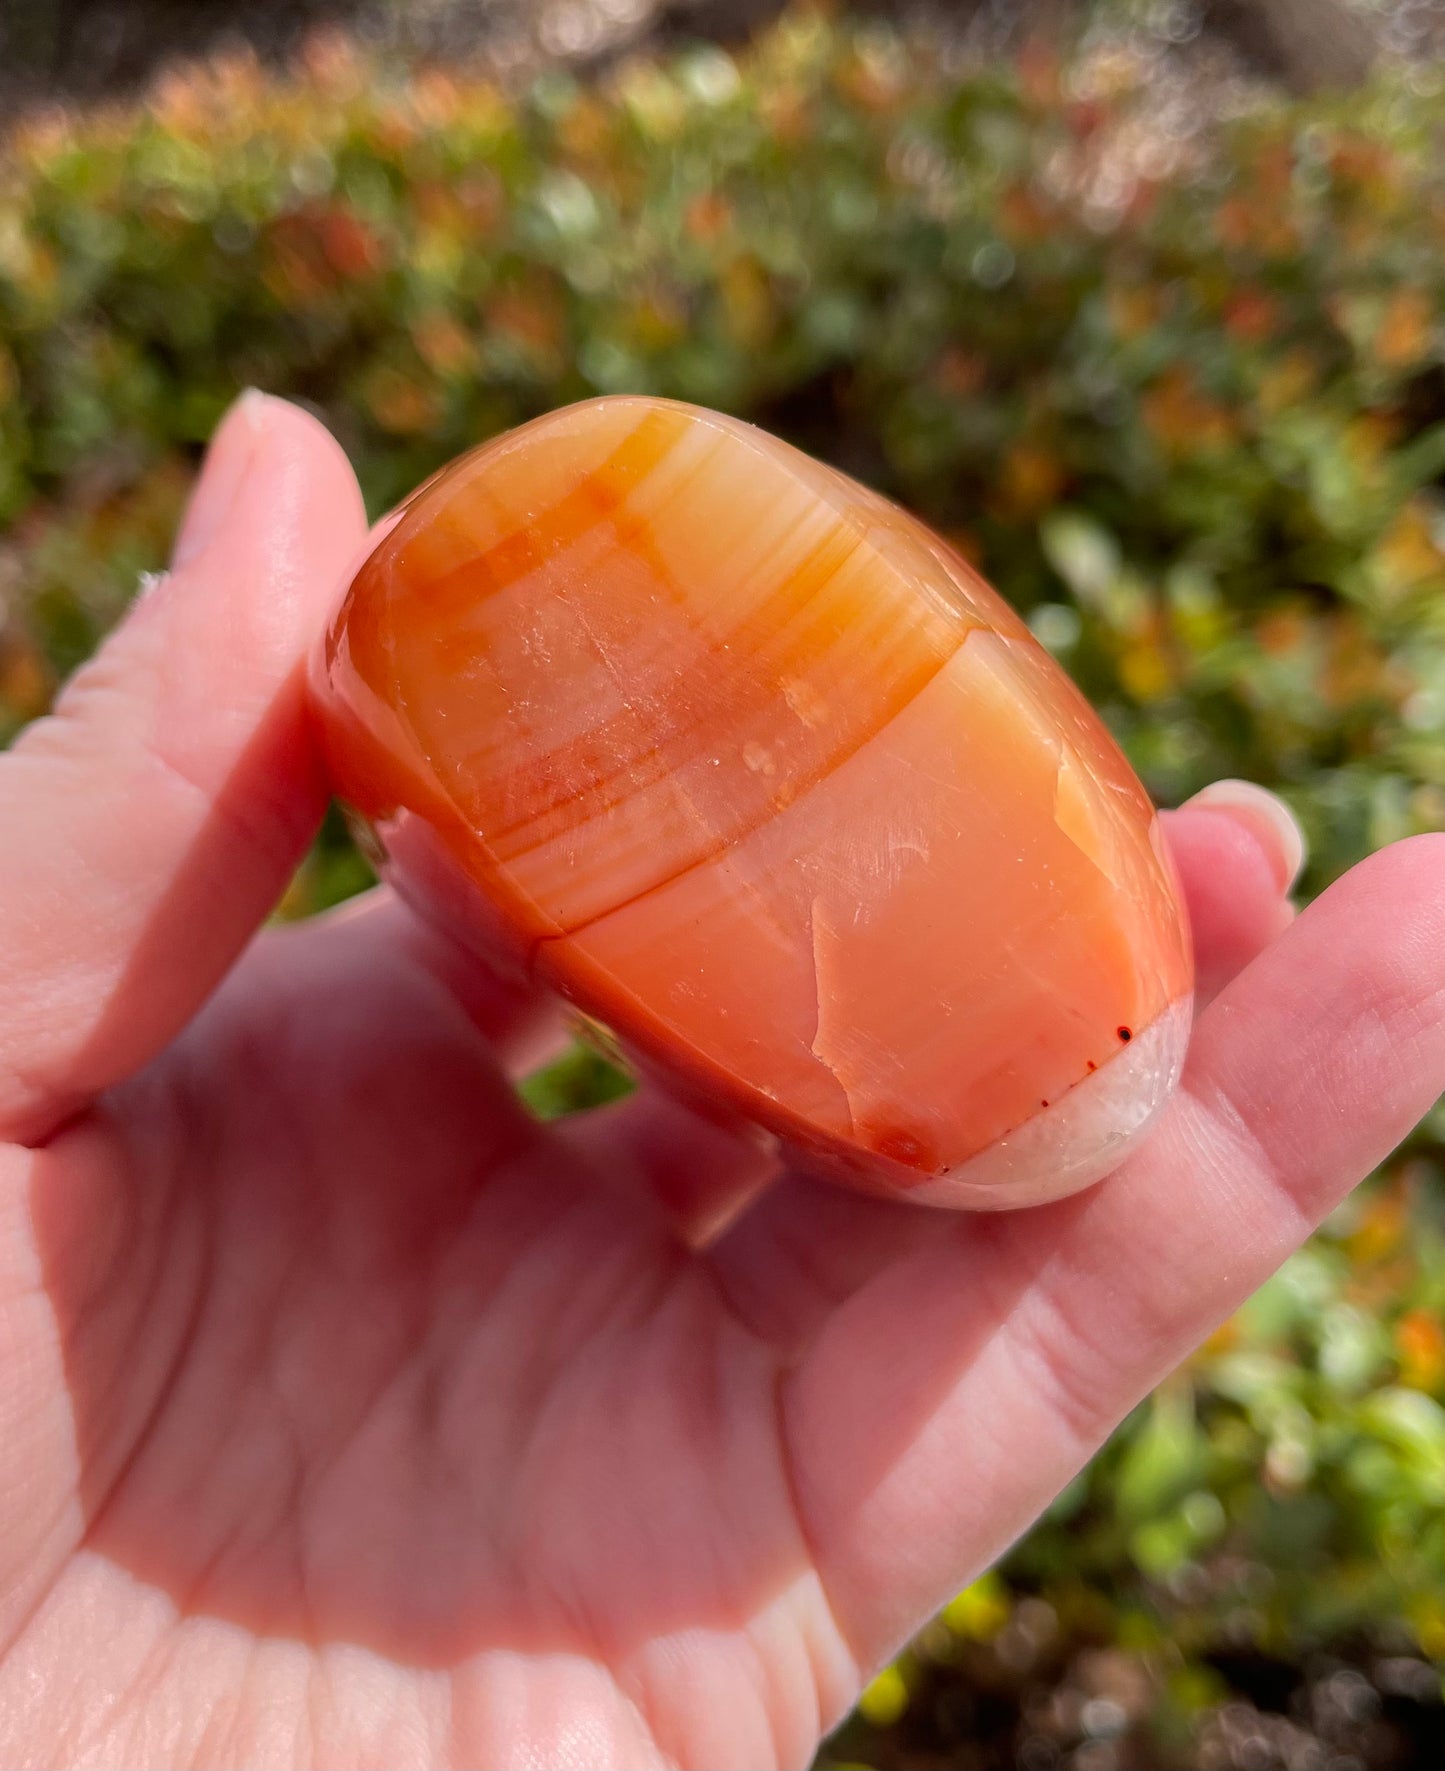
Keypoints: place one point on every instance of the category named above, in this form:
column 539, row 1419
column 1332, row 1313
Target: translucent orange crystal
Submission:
column 750, row 766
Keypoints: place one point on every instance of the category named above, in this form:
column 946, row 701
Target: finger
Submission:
column 523, row 1024
column 152, row 821
column 1238, row 850
column 381, row 997
column 700, row 1172
column 950, row 1396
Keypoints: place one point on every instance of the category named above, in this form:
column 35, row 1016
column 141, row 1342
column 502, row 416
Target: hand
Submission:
column 351, row 1417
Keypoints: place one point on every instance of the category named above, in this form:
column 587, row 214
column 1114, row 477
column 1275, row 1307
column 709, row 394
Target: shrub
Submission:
column 1184, row 401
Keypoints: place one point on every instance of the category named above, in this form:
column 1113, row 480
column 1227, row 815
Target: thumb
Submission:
column 153, row 819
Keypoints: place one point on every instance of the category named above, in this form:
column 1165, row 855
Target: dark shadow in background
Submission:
column 85, row 49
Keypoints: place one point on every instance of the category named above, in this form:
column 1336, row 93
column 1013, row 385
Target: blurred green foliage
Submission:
column 1184, row 401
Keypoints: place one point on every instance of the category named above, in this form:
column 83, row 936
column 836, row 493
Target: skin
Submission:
column 351, row 1418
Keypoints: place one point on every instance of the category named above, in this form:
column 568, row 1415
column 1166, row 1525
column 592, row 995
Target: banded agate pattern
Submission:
column 750, row 766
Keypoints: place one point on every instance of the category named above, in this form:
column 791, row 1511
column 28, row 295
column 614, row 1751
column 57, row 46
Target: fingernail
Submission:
column 223, row 473
column 1268, row 816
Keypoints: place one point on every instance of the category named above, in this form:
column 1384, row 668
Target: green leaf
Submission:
column 1164, row 1458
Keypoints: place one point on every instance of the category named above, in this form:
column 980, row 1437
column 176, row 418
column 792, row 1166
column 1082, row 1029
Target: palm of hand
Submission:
column 385, row 1397
column 357, row 1419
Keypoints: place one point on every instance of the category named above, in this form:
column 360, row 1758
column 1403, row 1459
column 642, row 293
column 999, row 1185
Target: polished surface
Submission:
column 753, row 768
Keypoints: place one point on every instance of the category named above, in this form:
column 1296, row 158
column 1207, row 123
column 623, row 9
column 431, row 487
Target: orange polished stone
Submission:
column 751, row 767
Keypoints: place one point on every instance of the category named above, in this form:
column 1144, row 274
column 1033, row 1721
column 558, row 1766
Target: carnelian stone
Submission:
column 750, row 766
